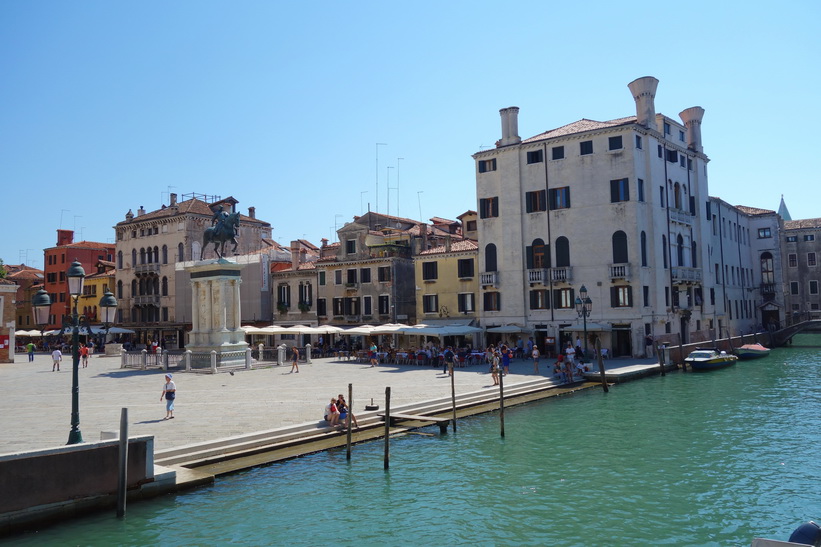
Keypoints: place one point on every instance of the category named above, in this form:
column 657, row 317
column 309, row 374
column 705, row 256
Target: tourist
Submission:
column 295, row 359
column 568, row 369
column 558, row 367
column 507, row 354
column 489, row 353
column 447, row 362
column 344, row 410
column 570, row 353
column 535, row 354
column 56, row 357
column 374, row 356
column 84, row 355
column 494, row 368
column 30, row 347
column 332, row 413
column 169, row 393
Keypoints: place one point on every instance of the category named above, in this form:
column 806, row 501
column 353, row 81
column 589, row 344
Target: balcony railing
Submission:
column 619, row 271
column 768, row 288
column 146, row 268
column 561, row 275
column 682, row 274
column 538, row 275
column 147, row 299
column 682, row 217
column 489, row 278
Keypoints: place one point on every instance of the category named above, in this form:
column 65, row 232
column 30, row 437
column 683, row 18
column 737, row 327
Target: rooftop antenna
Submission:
column 61, row 216
column 389, row 189
column 361, row 208
column 377, row 173
column 419, row 198
column 397, row 186
column 75, row 223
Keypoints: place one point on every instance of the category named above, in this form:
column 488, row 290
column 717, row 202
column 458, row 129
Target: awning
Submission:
column 27, row 333
column 509, row 329
column 591, row 327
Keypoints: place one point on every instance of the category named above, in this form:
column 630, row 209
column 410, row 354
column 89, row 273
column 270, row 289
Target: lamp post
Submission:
column 41, row 303
column 583, row 307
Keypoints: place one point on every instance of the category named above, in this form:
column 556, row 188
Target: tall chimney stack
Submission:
column 172, row 199
column 644, row 92
column 252, row 212
column 295, row 255
column 692, row 120
column 510, row 125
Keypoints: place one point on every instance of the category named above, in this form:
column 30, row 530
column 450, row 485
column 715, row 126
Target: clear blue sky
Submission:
column 107, row 106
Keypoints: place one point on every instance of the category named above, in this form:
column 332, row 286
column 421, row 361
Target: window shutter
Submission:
column 529, row 256
column 614, row 297
column 568, row 197
column 614, row 191
column 630, row 295
column 529, row 202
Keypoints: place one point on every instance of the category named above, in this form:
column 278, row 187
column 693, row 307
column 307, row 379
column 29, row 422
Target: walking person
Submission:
column 374, row 356
column 84, row 355
column 56, row 357
column 169, row 393
column 507, row 355
column 535, row 354
column 30, row 347
column 494, row 368
column 295, row 359
column 447, row 362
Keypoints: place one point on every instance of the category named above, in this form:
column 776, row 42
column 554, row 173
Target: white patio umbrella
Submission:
column 509, row 329
column 362, row 329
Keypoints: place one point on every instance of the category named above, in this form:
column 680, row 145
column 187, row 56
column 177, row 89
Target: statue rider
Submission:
column 218, row 220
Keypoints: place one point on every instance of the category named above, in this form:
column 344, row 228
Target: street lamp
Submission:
column 41, row 304
column 583, row 307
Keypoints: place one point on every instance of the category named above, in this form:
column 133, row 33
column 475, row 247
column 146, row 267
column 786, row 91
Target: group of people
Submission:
column 570, row 363
column 336, row 412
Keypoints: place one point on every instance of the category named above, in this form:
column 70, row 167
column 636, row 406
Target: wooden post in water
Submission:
column 348, row 419
column 600, row 359
column 122, row 471
column 680, row 349
column 730, row 339
column 387, row 427
column 502, row 401
column 453, row 393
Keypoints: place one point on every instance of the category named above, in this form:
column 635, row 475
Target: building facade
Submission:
column 802, row 249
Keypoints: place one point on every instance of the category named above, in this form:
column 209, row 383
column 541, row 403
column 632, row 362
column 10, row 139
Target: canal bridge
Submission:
column 785, row 336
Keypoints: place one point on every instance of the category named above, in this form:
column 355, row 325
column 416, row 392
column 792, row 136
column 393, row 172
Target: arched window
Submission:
column 767, row 273
column 120, row 260
column 120, row 289
column 165, row 254
column 643, row 248
column 142, row 286
column 133, row 288
column 619, row 248
column 694, row 255
column 142, row 256
column 156, row 254
column 562, row 252
column 180, row 252
column 490, row 257
column 677, row 195
column 155, row 286
column 664, row 250
column 195, row 250
column 133, row 257
column 165, row 286
column 680, row 250
column 537, row 255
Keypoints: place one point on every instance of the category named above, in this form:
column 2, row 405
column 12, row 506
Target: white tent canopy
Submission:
column 27, row 333
column 509, row 329
column 591, row 327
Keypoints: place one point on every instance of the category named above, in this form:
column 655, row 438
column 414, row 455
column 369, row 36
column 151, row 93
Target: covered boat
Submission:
column 752, row 351
column 709, row 359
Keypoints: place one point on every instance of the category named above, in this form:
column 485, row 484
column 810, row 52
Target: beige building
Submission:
column 802, row 250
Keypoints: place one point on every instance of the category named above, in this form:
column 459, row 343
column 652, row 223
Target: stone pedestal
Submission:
column 215, row 307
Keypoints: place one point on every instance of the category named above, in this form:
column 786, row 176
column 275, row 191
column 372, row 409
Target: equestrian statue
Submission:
column 224, row 227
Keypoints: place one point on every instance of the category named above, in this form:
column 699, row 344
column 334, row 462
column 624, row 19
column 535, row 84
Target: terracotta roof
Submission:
column 26, row 274
column 580, row 127
column 84, row 245
column 754, row 210
column 7, row 282
column 455, row 247
column 192, row 206
column 802, row 224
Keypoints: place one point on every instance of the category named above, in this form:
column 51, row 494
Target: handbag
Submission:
column 170, row 395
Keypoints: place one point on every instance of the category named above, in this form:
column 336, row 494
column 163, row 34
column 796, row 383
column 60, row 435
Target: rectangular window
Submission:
column 764, row 233
column 558, row 152
column 809, row 237
column 365, row 275
column 813, row 288
column 811, row 259
column 465, row 268
column 645, row 294
column 384, row 304
column 535, row 201
column 489, row 207
column 563, row 299
column 585, row 148
column 794, row 288
column 621, row 296
column 492, row 301
column 792, row 260
column 539, row 299
column 351, row 278
column 471, row 226
column 339, row 307
column 614, row 143
column 430, row 303
column 638, row 142
column 681, row 136
column 350, row 246
column 559, row 198
column 430, row 271
column 667, row 296
column 672, row 156
column 660, row 151
column 337, row 277
column 661, row 195
column 791, row 239
column 384, row 273
column 640, row 188
column 619, row 190
column 322, row 277
column 666, row 128
column 536, row 156
column 487, row 165
column 689, row 164
column 465, row 302
column 321, row 307
column 352, row 306
column 367, row 307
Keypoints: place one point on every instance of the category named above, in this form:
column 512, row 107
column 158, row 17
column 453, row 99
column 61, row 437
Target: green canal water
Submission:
column 715, row 458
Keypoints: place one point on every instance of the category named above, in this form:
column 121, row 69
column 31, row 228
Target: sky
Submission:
column 109, row 106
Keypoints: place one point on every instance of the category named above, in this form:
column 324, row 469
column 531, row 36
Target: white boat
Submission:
column 709, row 359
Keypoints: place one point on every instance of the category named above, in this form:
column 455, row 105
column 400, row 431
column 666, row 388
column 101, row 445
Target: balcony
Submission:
column 147, row 300
column 142, row 269
column 768, row 288
column 618, row 271
column 682, row 217
column 537, row 276
column 686, row 276
column 561, row 275
column 489, row 279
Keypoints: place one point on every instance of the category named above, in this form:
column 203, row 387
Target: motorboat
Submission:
column 709, row 359
column 752, row 351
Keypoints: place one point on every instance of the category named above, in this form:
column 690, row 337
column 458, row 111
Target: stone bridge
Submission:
column 785, row 336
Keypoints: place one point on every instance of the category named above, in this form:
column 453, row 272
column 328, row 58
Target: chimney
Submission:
column 140, row 211
column 173, row 200
column 692, row 120
column 447, row 243
column 65, row 237
column 295, row 255
column 644, row 92
column 252, row 212
column 510, row 125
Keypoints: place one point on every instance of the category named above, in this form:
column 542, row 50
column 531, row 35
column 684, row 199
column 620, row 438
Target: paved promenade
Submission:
column 35, row 406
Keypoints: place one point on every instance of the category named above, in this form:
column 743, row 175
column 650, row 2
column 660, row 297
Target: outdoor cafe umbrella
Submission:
column 509, row 329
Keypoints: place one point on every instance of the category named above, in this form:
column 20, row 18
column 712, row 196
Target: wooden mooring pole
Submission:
column 122, row 471
column 502, row 401
column 387, row 427
column 453, row 393
column 348, row 419
column 600, row 359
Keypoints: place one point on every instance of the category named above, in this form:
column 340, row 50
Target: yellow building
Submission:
column 447, row 282
column 94, row 287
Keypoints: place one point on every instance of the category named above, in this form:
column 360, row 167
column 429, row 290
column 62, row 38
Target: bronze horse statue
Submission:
column 226, row 229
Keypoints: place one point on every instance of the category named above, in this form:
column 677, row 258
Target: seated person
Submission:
column 332, row 413
column 342, row 406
